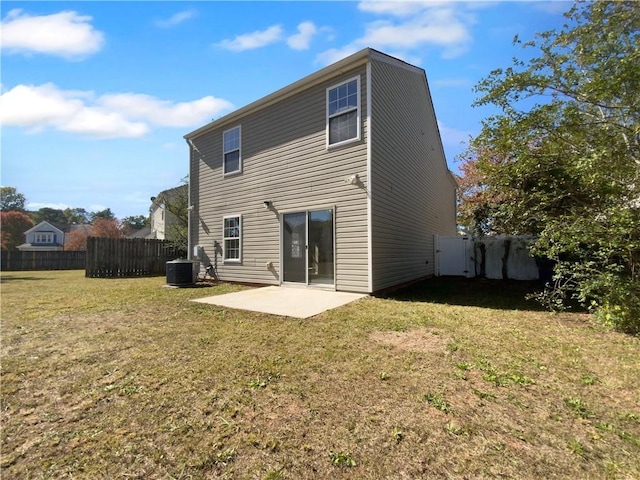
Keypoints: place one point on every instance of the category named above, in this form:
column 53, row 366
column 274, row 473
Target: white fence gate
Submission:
column 454, row 256
column 495, row 257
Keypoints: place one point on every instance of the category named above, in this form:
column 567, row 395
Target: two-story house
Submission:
column 44, row 236
column 168, row 213
column 49, row 236
column 338, row 180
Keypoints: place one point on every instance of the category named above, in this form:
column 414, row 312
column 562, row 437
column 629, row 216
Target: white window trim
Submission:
column 43, row 237
column 224, row 152
column 357, row 109
column 224, row 239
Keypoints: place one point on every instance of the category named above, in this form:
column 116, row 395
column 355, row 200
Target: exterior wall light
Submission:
column 352, row 179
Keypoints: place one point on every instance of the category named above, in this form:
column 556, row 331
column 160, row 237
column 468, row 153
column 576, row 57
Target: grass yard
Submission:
column 449, row 379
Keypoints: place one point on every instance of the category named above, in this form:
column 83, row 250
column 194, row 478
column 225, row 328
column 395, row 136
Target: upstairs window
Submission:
column 44, row 238
column 343, row 112
column 231, row 238
column 232, row 162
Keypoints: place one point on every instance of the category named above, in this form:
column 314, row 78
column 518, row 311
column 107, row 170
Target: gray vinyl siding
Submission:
column 285, row 161
column 413, row 196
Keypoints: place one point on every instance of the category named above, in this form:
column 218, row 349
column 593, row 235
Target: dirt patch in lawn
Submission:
column 420, row 340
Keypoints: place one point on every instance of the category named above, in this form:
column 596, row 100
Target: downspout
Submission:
column 189, row 203
column 369, row 182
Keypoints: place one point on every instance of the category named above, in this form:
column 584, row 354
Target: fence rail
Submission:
column 16, row 260
column 128, row 257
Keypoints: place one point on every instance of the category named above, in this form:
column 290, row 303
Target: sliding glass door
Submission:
column 307, row 244
column 294, row 246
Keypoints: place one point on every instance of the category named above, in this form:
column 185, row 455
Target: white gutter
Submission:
column 369, row 210
column 189, row 203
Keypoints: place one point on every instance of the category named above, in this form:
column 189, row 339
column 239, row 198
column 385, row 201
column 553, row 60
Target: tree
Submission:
column 561, row 159
column 11, row 200
column 177, row 206
column 133, row 223
column 76, row 240
column 106, row 213
column 13, row 225
column 477, row 209
column 47, row 214
column 104, row 227
column 76, row 216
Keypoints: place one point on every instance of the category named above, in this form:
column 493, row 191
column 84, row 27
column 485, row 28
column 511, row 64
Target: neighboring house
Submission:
column 144, row 232
column 84, row 228
column 166, row 211
column 49, row 236
column 44, row 236
column 338, row 180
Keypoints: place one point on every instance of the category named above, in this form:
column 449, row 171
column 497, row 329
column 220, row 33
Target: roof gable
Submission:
column 171, row 192
column 44, row 226
column 333, row 70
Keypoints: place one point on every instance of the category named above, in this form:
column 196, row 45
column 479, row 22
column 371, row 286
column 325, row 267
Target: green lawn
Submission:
column 449, row 379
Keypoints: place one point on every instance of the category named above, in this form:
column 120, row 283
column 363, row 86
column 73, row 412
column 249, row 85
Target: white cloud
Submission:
column 33, row 206
column 453, row 137
column 176, row 19
column 66, row 34
column 334, row 54
column 423, row 30
column 302, row 39
column 164, row 112
column 409, row 26
column 453, row 82
column 396, row 8
column 96, row 122
column 108, row 116
column 554, row 8
column 140, row 198
column 39, row 107
column 97, row 207
column 249, row 41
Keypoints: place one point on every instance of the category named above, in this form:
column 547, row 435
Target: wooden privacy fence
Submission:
column 14, row 260
column 129, row 257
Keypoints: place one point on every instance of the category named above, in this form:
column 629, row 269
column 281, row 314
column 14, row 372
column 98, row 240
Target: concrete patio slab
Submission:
column 286, row 301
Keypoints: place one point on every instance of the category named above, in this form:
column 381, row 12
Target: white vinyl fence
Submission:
column 496, row 257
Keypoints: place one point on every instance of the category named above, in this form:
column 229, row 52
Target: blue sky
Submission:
column 96, row 96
